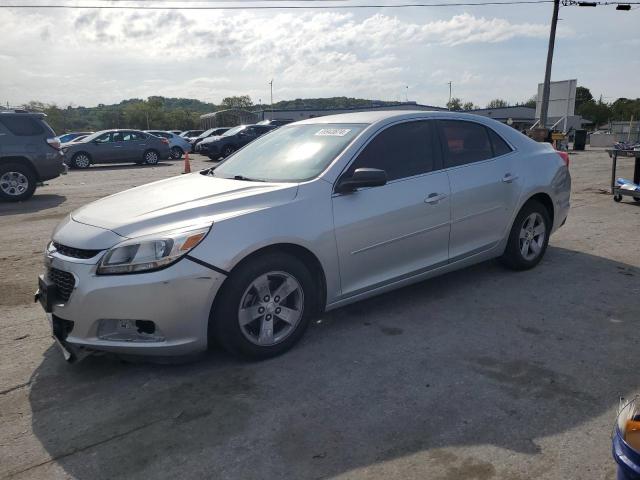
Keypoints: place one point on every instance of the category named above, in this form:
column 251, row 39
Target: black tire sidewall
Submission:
column 144, row 157
column 27, row 172
column 223, row 323
column 228, row 150
column 75, row 165
column 512, row 256
column 176, row 153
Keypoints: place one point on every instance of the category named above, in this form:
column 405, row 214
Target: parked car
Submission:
column 316, row 215
column 29, row 153
column 117, row 146
column 177, row 144
column 69, row 137
column 212, row 132
column 75, row 140
column 191, row 133
column 177, row 132
column 232, row 140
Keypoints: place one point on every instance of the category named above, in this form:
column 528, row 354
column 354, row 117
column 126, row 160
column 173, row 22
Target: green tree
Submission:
column 242, row 101
column 454, row 104
column 469, row 106
column 583, row 95
column 497, row 103
column 531, row 103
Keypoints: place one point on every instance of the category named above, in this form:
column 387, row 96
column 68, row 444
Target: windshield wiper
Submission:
column 246, row 179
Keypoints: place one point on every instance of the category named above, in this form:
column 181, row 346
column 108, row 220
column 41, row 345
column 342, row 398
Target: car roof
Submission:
column 371, row 117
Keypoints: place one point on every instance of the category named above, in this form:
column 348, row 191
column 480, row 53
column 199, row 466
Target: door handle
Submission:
column 508, row 178
column 434, row 198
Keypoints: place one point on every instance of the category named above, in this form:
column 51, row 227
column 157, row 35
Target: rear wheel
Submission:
column 176, row 153
column 17, row 182
column 81, row 160
column 151, row 157
column 529, row 237
column 265, row 306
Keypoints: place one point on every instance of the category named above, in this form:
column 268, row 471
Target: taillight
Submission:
column 564, row 156
column 54, row 143
column 165, row 141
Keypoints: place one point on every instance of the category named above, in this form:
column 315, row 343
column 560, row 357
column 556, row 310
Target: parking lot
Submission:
column 480, row 374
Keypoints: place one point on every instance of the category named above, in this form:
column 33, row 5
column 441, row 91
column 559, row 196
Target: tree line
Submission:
column 166, row 113
column 598, row 111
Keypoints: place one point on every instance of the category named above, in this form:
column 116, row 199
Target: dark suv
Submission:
column 232, row 140
column 29, row 153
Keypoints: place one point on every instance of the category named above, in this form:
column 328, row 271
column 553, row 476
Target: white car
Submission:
column 309, row 217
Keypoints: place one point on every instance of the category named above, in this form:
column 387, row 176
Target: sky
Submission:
column 89, row 56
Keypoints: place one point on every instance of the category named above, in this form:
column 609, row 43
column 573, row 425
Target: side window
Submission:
column 118, row 136
column 500, row 147
column 104, row 138
column 402, row 151
column 22, row 125
column 464, row 142
column 130, row 136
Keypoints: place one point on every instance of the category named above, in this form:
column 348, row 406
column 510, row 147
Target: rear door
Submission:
column 135, row 144
column 391, row 232
column 485, row 187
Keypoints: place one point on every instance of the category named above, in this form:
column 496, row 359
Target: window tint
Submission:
column 401, row 151
column 104, row 138
column 22, row 125
column 465, row 142
column 500, row 147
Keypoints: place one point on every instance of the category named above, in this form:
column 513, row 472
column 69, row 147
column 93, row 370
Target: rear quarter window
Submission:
column 500, row 147
column 22, row 126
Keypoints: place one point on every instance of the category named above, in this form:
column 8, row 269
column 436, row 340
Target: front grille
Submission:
column 75, row 252
column 64, row 282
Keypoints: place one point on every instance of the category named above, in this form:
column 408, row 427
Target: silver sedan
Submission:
column 310, row 217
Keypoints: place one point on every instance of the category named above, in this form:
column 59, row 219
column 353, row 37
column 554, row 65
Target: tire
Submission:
column 81, row 160
column 17, row 182
column 523, row 237
column 636, row 199
column 176, row 153
column 228, row 150
column 151, row 157
column 240, row 301
column 617, row 198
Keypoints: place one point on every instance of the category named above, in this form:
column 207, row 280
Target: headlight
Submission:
column 145, row 254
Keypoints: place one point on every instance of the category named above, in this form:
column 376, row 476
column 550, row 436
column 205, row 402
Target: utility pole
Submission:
column 407, row 95
column 449, row 102
column 271, row 84
column 544, row 107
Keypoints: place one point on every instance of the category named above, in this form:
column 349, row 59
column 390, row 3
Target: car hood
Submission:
column 178, row 202
column 211, row 139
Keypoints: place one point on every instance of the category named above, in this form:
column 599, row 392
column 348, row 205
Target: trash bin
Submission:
column 626, row 441
column 579, row 139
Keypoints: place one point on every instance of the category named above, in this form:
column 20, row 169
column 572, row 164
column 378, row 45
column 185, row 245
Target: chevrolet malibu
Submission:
column 310, row 217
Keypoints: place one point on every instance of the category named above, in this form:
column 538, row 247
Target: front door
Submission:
column 391, row 232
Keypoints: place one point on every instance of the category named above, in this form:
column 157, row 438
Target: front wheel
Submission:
column 81, row 160
column 176, row 153
column 265, row 306
column 228, row 150
column 17, row 182
column 151, row 157
column 528, row 238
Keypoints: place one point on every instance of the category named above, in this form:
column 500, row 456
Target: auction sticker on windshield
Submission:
column 333, row 132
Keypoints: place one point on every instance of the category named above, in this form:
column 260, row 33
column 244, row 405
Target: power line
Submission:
column 278, row 7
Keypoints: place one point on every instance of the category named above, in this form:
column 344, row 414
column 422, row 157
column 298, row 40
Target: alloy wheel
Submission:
column 151, row 158
column 532, row 236
column 271, row 308
column 81, row 161
column 14, row 183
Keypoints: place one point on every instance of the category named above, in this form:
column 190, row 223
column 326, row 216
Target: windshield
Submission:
column 290, row 154
column 206, row 133
column 93, row 136
column 234, row 130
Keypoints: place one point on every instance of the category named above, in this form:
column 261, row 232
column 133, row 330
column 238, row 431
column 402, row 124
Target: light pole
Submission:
column 449, row 102
column 271, row 84
column 544, row 106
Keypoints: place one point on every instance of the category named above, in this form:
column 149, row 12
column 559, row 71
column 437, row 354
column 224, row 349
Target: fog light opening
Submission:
column 125, row 330
column 146, row 326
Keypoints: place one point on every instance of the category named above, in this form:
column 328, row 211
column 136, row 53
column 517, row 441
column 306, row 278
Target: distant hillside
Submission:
column 171, row 113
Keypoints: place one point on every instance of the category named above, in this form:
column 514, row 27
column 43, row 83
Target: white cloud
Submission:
column 93, row 56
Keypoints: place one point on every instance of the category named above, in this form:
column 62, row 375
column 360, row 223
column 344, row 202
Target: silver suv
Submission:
column 29, row 154
column 309, row 217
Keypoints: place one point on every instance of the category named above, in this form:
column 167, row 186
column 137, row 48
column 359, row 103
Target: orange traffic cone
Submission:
column 187, row 163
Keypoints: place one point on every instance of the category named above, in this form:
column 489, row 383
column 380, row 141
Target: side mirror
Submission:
column 362, row 177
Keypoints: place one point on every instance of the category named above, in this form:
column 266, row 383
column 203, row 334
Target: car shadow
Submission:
column 482, row 356
column 36, row 203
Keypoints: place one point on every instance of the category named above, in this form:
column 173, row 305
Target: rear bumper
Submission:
column 52, row 167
